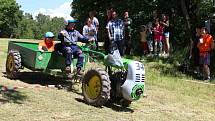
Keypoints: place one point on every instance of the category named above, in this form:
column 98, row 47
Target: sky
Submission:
column 59, row 8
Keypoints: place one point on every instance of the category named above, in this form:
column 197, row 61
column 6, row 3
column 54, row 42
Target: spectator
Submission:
column 95, row 23
column 89, row 30
column 107, row 41
column 115, row 28
column 143, row 33
column 48, row 43
column 194, row 51
column 205, row 45
column 208, row 24
column 158, row 37
column 150, row 37
column 127, row 24
column 69, row 37
column 165, row 23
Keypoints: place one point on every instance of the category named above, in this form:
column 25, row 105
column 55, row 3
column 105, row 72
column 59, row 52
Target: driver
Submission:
column 69, row 37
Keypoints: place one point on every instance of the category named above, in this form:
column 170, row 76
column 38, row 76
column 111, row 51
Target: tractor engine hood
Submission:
column 133, row 87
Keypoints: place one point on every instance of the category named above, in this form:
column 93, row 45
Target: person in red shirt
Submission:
column 48, row 43
column 158, row 37
column 205, row 45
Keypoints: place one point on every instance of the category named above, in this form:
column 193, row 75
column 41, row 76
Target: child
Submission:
column 47, row 44
column 143, row 33
column 158, row 37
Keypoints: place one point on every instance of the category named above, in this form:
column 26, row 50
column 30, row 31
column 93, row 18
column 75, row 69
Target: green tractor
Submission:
column 120, row 80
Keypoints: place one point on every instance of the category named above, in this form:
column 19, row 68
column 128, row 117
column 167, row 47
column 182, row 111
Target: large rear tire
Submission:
column 96, row 87
column 13, row 64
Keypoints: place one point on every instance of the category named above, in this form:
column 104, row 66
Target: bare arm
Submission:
column 108, row 31
column 212, row 45
column 109, row 35
column 40, row 48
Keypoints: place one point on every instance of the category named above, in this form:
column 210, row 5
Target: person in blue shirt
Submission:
column 115, row 28
column 69, row 38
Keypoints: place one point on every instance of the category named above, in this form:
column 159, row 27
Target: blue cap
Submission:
column 72, row 21
column 49, row 35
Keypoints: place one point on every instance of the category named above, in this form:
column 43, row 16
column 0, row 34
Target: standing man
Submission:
column 108, row 18
column 205, row 45
column 115, row 28
column 95, row 23
column 194, row 50
column 127, row 23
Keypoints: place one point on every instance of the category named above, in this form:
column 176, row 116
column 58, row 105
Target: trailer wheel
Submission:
column 13, row 64
column 96, row 87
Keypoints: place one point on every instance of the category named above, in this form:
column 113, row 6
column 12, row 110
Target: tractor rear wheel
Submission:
column 96, row 87
column 13, row 64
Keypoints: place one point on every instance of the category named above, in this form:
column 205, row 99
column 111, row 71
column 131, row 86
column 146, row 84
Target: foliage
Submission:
column 14, row 24
column 141, row 11
column 10, row 15
column 30, row 28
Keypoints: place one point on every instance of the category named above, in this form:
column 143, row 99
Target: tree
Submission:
column 184, row 15
column 46, row 23
column 10, row 15
column 140, row 11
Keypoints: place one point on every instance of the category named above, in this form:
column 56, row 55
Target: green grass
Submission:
column 170, row 96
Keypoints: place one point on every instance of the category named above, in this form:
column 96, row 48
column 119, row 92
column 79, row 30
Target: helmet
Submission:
column 49, row 35
column 70, row 20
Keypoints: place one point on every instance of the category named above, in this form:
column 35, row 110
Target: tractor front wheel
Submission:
column 13, row 64
column 96, row 87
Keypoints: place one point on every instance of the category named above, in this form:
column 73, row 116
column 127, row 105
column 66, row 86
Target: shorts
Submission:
column 204, row 59
column 166, row 34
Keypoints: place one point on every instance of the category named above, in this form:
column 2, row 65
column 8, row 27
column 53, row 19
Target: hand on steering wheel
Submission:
column 91, row 39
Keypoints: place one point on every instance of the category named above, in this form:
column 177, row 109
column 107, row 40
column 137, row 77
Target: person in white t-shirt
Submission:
column 95, row 23
column 89, row 30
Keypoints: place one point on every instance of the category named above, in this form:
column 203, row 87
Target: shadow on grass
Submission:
column 11, row 95
column 44, row 79
column 113, row 106
column 118, row 108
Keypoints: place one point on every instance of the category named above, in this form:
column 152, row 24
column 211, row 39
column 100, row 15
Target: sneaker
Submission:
column 207, row 79
column 195, row 72
column 68, row 69
column 80, row 72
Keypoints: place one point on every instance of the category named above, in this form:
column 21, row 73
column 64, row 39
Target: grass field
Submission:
column 170, row 96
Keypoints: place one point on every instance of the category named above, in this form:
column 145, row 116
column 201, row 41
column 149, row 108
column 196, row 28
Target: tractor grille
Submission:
column 140, row 78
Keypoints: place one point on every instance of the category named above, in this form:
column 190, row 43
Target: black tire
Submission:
column 98, row 94
column 13, row 64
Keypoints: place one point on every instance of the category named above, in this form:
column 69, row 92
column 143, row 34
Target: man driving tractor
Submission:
column 69, row 37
